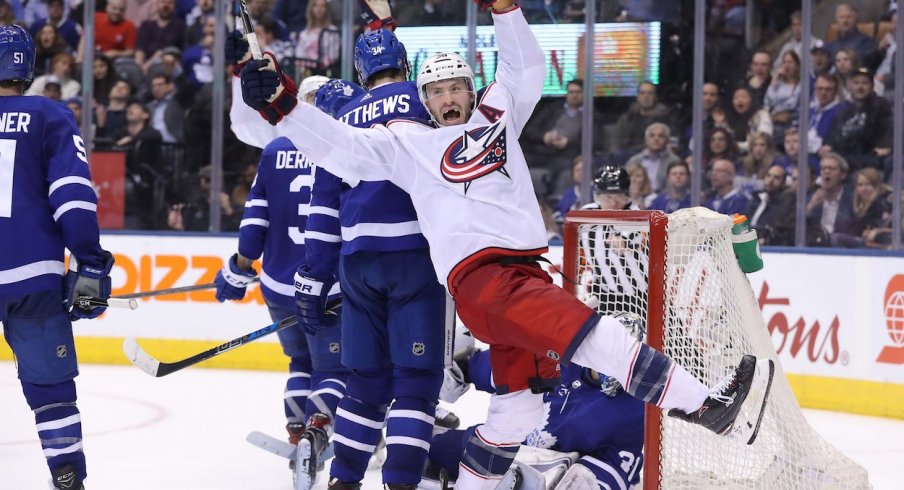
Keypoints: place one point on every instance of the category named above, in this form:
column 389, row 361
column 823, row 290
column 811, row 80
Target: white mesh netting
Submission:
column 710, row 319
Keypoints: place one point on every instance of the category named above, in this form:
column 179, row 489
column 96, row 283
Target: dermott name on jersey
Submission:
column 291, row 160
column 14, row 122
column 399, row 103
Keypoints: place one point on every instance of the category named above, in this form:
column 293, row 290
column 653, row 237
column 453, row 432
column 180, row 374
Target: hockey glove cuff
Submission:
column 311, row 295
column 233, row 281
column 87, row 280
column 238, row 52
column 376, row 14
column 267, row 89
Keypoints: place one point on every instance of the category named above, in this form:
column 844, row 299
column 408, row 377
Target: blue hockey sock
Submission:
column 326, row 391
column 298, row 388
column 359, row 423
column 59, row 424
column 409, row 426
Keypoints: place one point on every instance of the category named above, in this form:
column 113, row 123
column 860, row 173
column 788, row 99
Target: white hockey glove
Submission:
column 578, row 477
column 454, row 384
column 376, row 14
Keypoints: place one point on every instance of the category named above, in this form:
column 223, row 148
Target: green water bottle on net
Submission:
column 746, row 245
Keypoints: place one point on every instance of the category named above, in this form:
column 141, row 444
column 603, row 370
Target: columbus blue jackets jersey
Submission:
column 283, row 184
column 47, row 200
column 607, row 431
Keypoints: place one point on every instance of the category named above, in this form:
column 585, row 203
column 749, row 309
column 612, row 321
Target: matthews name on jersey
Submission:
column 473, row 192
column 45, row 204
column 283, row 183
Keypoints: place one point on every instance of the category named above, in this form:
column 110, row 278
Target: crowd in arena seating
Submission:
column 153, row 71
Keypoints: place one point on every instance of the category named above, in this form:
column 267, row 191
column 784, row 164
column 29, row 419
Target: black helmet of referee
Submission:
column 612, row 179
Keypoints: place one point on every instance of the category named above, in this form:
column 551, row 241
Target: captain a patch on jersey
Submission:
column 478, row 152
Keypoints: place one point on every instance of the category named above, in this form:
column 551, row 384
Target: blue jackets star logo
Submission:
column 478, row 152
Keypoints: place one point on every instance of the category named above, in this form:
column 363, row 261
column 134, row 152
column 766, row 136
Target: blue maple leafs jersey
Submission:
column 47, row 200
column 283, row 184
column 607, row 431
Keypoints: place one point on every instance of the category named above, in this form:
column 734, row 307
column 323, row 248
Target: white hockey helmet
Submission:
column 443, row 66
column 310, row 85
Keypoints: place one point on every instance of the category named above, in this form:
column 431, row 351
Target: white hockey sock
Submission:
column 610, row 349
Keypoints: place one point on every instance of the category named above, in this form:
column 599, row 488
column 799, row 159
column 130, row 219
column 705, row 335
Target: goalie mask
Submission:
column 637, row 327
column 444, row 66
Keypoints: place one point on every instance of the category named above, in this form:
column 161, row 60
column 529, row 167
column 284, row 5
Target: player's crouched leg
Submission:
column 492, row 447
column 409, row 427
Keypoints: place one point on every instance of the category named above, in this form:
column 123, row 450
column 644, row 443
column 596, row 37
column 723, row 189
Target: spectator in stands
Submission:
column 823, row 109
column 195, row 21
column 193, row 213
column 48, row 44
column 745, row 117
column 771, row 210
column 8, row 15
column 154, row 35
column 862, row 130
column 794, row 42
column 788, row 159
column 67, row 29
column 571, row 197
column 51, row 89
column 630, row 127
column 871, row 209
column 820, row 61
column 656, row 155
column 783, row 95
column 640, row 192
column 439, row 13
column 830, row 208
column 258, row 9
column 846, row 63
column 724, row 197
column 112, row 116
column 884, row 80
column 292, row 13
column 114, row 34
column 710, row 101
column 267, row 30
column 677, row 190
column 61, row 73
column 317, row 46
column 104, row 79
column 759, row 77
column 142, row 145
column 719, row 144
column 197, row 60
column 554, row 133
column 139, row 11
column 167, row 116
column 755, row 164
column 848, row 36
column 37, row 10
column 239, row 193
column 549, row 221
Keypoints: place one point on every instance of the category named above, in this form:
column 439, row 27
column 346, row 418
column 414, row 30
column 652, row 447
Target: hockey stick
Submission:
column 88, row 301
column 148, row 364
column 250, row 35
column 182, row 289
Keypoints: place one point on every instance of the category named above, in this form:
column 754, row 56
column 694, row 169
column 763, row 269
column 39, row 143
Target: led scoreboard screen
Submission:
column 625, row 54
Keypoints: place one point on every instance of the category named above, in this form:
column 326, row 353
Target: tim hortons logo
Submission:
column 894, row 321
column 818, row 342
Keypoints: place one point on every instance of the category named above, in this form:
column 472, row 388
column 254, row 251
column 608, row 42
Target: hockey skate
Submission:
column 446, row 419
column 335, row 484
column 309, row 456
column 295, row 430
column 735, row 407
column 64, row 478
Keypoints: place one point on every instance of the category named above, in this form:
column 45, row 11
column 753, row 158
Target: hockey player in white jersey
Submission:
column 472, row 190
column 47, row 204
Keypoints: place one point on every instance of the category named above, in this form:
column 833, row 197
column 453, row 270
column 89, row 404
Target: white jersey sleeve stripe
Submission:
column 33, row 269
column 278, row 287
column 69, row 180
column 89, row 206
column 326, row 211
column 254, row 222
column 262, row 203
column 380, row 229
column 323, row 237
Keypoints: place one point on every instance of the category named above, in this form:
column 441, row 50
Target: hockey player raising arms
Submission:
column 472, row 190
column 47, row 203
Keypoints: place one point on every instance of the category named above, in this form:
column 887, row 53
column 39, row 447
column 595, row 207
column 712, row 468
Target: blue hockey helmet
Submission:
column 17, row 54
column 377, row 51
column 333, row 95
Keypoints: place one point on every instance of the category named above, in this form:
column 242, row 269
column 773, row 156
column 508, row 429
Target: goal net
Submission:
column 679, row 272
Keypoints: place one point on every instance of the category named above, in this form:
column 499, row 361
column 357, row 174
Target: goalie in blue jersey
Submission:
column 47, row 204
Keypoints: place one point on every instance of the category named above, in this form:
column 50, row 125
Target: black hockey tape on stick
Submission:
column 183, row 289
column 250, row 35
column 88, row 301
column 142, row 360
